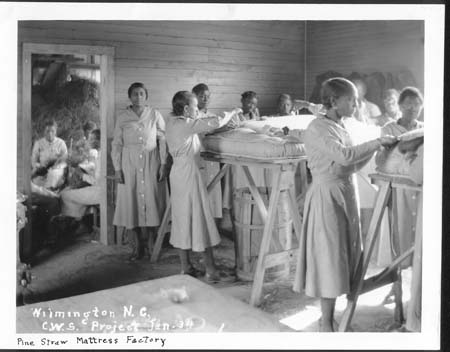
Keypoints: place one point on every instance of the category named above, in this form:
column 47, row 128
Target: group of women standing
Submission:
column 331, row 239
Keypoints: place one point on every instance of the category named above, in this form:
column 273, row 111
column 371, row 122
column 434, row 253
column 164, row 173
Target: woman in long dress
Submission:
column 209, row 169
column 404, row 204
column 193, row 226
column 139, row 155
column 405, row 201
column 330, row 243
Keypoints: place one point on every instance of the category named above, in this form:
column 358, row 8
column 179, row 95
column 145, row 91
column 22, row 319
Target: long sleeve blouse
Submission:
column 330, row 149
column 142, row 132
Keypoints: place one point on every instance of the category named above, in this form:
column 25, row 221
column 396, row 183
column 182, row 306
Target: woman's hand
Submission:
column 163, row 172
column 276, row 132
column 388, row 141
column 119, row 176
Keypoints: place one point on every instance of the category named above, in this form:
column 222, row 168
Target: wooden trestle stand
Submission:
column 282, row 180
column 389, row 275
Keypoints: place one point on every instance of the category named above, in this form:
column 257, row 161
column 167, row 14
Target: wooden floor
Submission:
column 85, row 266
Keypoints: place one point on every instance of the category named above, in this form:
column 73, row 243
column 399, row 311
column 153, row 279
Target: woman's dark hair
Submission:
column 89, row 126
column 137, row 85
column 334, row 88
column 249, row 95
column 411, row 92
column 284, row 96
column 50, row 123
column 180, row 100
column 96, row 133
column 200, row 88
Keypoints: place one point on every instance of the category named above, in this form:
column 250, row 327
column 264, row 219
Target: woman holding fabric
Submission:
column 139, row 155
column 330, row 244
column 405, row 201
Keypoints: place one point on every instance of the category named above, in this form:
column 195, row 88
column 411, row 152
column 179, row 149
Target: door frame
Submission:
column 106, row 118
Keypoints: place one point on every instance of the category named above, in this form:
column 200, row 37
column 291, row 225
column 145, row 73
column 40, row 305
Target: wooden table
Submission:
column 283, row 171
column 390, row 274
column 205, row 310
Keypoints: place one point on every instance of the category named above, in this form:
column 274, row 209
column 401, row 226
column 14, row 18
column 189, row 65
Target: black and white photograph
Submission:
column 261, row 169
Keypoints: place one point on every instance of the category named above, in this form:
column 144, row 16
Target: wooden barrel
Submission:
column 249, row 227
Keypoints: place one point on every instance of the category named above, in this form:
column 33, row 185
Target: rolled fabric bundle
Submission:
column 397, row 161
column 410, row 141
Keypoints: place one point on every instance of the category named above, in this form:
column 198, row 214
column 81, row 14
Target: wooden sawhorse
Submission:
column 282, row 180
column 389, row 275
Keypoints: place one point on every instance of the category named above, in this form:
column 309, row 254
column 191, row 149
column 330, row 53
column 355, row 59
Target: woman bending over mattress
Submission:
column 193, row 226
column 330, row 243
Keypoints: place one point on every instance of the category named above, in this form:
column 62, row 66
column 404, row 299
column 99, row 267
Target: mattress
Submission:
column 261, row 139
column 396, row 163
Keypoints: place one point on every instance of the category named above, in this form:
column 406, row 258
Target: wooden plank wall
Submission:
column 364, row 46
column 229, row 56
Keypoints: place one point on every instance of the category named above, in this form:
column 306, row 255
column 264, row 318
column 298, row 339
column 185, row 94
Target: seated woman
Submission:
column 49, row 154
column 88, row 127
column 76, row 200
column 48, row 161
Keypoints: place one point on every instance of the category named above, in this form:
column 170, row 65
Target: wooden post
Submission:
column 267, row 234
column 380, row 205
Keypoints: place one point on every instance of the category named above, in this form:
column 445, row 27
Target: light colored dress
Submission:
column 193, row 225
column 209, row 169
column 330, row 242
column 404, row 203
column 367, row 112
column 76, row 201
column 138, row 147
column 45, row 152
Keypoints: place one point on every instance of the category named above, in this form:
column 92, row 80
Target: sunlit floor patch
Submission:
column 303, row 319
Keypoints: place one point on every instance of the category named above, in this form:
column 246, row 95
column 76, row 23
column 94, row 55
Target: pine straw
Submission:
column 70, row 105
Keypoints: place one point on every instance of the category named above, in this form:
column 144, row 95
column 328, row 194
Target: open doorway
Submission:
column 66, row 90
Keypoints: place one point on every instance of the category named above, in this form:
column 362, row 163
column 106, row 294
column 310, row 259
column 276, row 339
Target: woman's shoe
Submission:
column 193, row 272
column 219, row 276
